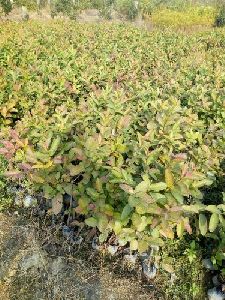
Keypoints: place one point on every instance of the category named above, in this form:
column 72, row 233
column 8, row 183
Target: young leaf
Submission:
column 203, row 224
column 213, row 209
column 133, row 245
column 180, row 228
column 169, row 178
column 92, row 222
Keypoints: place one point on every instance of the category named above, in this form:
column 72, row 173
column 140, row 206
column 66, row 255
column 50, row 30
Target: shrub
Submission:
column 190, row 16
column 131, row 144
column 29, row 4
column 127, row 8
column 66, row 7
column 105, row 7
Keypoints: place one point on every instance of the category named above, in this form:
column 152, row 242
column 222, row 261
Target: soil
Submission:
column 37, row 263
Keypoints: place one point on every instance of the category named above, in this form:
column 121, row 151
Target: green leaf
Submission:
column 201, row 183
column 148, row 199
column 214, row 221
column 213, row 209
column 92, row 193
column 133, row 245
column 92, row 222
column 195, row 208
column 157, row 187
column 102, row 223
column 54, row 146
column 117, row 227
column 169, row 178
column 180, row 228
column 177, row 195
column 103, row 237
column 203, row 224
column 142, row 187
column 126, row 212
column 76, row 170
column 142, row 246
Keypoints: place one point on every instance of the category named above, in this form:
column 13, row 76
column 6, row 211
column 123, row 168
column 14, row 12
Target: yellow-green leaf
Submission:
column 203, row 224
column 169, row 178
column 133, row 245
column 214, row 221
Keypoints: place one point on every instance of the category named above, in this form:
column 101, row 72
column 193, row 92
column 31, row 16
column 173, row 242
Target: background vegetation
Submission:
column 129, row 124
column 174, row 13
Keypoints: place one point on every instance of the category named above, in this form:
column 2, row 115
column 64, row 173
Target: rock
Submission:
column 67, row 232
column 143, row 256
column 208, row 264
column 112, row 249
column 69, row 201
column 18, row 201
column 25, row 15
column 130, row 259
column 95, row 243
column 173, row 278
column 57, row 266
column 216, row 281
column 216, row 294
column 149, row 269
column 35, row 260
column 29, row 201
column 77, row 240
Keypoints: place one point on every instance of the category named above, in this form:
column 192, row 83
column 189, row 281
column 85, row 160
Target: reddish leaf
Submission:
column 14, row 174
column 180, row 156
column 14, row 134
column 8, row 145
column 25, row 166
column 58, row 160
column 3, row 151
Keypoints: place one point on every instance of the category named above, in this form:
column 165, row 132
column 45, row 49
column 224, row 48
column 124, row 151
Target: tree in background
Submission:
column 220, row 17
column 128, row 8
column 68, row 8
column 6, row 6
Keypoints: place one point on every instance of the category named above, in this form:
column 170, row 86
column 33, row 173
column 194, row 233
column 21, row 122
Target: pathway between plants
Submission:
column 28, row 272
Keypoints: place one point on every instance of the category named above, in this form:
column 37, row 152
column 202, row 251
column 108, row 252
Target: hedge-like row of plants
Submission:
column 129, row 123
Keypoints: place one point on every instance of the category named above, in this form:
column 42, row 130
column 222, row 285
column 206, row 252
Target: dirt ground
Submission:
column 34, row 267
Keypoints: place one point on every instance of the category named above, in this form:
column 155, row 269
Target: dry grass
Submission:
column 62, row 271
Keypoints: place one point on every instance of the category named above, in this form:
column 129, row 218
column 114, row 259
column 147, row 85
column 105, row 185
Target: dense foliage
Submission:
column 220, row 16
column 190, row 16
column 6, row 6
column 129, row 123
